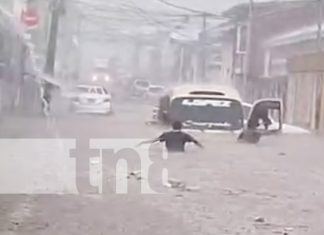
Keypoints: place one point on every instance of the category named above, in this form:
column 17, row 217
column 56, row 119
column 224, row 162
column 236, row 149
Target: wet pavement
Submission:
column 274, row 187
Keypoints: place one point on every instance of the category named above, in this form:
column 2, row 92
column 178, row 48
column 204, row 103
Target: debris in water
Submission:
column 174, row 183
column 259, row 220
column 289, row 229
column 135, row 174
column 15, row 223
column 192, row 189
column 177, row 184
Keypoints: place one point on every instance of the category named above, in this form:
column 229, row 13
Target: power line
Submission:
column 192, row 10
column 145, row 14
column 180, row 7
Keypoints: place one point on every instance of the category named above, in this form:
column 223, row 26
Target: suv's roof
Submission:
column 156, row 86
column 90, row 86
column 205, row 91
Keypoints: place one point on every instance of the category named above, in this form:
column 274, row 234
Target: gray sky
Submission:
column 145, row 13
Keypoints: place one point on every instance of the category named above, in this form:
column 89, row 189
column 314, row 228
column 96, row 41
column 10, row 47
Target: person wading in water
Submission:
column 175, row 140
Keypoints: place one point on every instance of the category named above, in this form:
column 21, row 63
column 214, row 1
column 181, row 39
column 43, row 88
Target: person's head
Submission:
column 177, row 125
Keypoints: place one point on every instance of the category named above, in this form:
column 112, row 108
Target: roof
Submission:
column 294, row 36
column 268, row 17
column 89, row 86
column 156, row 87
column 185, row 90
column 240, row 12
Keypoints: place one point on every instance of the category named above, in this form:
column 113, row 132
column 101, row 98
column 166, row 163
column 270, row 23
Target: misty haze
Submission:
column 161, row 117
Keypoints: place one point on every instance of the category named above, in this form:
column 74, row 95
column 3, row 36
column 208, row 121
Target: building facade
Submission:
column 280, row 31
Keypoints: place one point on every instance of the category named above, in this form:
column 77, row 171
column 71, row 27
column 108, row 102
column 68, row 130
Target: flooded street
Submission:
column 161, row 117
column 269, row 188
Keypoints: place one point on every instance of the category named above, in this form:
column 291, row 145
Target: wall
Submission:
column 227, row 61
column 301, row 99
column 305, row 85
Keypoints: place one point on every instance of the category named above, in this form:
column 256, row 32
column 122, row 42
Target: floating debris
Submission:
column 177, row 184
column 173, row 183
column 135, row 174
column 193, row 188
column 259, row 220
column 288, row 229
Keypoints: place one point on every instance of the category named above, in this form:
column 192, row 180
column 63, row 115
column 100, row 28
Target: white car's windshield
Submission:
column 143, row 84
column 156, row 90
column 82, row 89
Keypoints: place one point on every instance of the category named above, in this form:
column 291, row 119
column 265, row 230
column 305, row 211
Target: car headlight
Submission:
column 107, row 78
column 95, row 78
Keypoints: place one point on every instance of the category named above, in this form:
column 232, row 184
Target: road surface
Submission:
column 275, row 187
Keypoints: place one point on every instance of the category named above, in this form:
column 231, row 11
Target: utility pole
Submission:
column 56, row 7
column 78, row 46
column 248, row 43
column 319, row 25
column 319, row 81
column 181, row 65
column 203, row 41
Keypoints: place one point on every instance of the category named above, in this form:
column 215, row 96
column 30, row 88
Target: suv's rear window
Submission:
column 142, row 83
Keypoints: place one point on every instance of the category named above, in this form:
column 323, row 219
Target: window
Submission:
column 105, row 91
column 82, row 89
column 93, row 91
column 222, row 113
column 100, row 91
column 142, row 83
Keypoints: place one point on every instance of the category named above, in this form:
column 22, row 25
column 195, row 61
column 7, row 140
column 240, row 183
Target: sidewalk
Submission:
column 15, row 126
column 14, row 208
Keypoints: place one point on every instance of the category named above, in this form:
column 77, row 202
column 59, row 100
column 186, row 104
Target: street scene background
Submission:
column 263, row 49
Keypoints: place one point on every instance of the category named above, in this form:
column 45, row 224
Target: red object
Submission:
column 30, row 17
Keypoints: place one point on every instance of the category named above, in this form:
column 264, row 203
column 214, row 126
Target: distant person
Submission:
column 252, row 135
column 262, row 114
column 175, row 140
column 46, row 98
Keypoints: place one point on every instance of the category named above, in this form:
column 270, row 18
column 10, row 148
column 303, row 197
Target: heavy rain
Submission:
column 147, row 117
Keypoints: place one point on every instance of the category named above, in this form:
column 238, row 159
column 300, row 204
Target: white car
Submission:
column 91, row 99
column 156, row 91
column 140, row 88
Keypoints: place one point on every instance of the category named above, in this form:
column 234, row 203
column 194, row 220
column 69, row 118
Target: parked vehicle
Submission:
column 155, row 92
column 91, row 99
column 140, row 88
column 211, row 108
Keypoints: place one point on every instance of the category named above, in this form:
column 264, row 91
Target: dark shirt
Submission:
column 175, row 141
